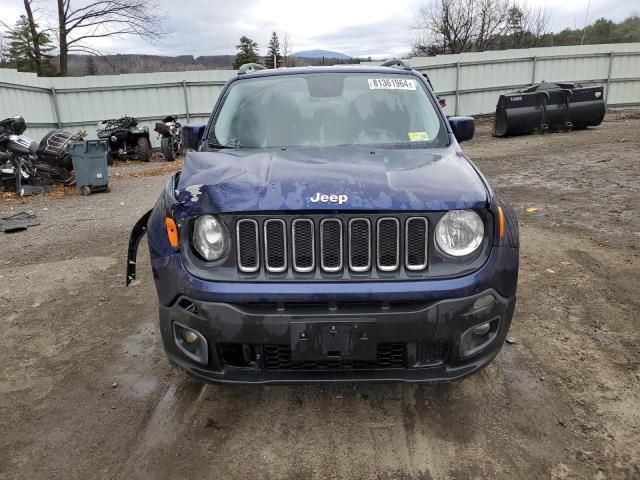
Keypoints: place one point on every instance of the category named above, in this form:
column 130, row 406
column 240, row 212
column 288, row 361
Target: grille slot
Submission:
column 331, row 248
column 303, row 245
column 388, row 244
column 275, row 245
column 359, row 244
column 415, row 236
column 433, row 353
column 247, row 242
column 389, row 355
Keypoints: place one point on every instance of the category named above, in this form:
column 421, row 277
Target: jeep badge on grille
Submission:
column 331, row 198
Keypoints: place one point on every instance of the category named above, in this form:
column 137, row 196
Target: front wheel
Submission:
column 143, row 149
column 167, row 149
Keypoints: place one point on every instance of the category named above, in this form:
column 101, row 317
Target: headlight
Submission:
column 210, row 238
column 459, row 232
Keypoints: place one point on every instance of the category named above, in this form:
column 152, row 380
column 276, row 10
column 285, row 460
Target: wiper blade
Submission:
column 233, row 143
column 219, row 145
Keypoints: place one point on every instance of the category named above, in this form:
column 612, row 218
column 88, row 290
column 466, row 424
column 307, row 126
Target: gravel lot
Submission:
column 86, row 391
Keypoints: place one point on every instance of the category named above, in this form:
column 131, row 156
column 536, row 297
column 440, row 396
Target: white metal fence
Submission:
column 470, row 82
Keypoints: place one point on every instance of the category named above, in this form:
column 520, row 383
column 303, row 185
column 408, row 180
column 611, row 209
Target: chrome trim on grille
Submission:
column 313, row 245
column 266, row 245
column 388, row 268
column 324, row 267
column 241, row 267
column 406, row 244
column 368, row 265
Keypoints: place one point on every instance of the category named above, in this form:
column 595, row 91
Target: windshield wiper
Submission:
column 219, row 145
column 233, row 143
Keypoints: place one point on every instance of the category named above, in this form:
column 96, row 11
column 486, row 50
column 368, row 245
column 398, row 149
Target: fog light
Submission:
column 191, row 342
column 189, row 336
column 479, row 337
column 481, row 329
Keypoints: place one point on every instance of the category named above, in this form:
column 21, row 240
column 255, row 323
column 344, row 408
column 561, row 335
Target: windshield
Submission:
column 328, row 109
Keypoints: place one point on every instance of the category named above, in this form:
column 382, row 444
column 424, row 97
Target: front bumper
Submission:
column 435, row 327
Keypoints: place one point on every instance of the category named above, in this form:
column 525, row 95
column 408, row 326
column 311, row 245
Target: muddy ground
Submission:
column 86, row 391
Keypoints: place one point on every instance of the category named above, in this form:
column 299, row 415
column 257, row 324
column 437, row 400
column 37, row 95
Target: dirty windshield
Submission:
column 328, row 109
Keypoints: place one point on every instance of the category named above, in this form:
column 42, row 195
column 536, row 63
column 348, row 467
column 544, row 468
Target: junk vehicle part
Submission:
column 19, row 221
column 53, row 159
column 17, row 153
column 171, row 139
column 549, row 106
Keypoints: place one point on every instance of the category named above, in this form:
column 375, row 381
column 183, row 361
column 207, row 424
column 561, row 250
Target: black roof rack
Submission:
column 397, row 63
column 250, row 68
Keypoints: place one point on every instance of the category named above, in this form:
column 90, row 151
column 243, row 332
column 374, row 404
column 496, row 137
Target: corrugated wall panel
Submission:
column 483, row 76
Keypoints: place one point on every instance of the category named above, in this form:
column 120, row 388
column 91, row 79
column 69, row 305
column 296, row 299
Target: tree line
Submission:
column 47, row 42
column 30, row 43
column 457, row 26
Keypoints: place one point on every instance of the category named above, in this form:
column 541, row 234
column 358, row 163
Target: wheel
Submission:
column 167, row 149
column 182, row 149
column 85, row 190
column 143, row 149
column 113, row 155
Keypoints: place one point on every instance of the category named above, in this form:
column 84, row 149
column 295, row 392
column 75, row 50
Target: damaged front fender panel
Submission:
column 154, row 222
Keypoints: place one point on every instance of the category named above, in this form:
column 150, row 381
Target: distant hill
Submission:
column 114, row 64
column 80, row 65
column 321, row 53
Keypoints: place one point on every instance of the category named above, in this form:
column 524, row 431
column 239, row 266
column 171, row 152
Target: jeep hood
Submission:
column 281, row 180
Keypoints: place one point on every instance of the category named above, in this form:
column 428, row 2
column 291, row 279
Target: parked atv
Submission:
column 126, row 139
column 171, row 143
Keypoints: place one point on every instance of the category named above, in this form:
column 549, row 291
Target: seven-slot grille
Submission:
column 332, row 244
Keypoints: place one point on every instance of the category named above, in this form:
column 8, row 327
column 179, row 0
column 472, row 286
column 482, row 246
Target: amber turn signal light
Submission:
column 501, row 222
column 172, row 232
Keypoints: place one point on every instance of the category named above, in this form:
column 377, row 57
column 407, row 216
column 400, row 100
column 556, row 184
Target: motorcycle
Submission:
column 126, row 140
column 171, row 143
column 29, row 165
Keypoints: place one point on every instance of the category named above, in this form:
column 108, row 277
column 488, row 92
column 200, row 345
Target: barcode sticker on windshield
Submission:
column 392, row 84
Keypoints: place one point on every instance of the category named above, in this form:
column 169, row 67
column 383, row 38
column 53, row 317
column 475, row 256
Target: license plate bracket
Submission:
column 321, row 340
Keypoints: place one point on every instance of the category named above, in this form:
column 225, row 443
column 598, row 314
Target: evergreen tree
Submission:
column 273, row 50
column 22, row 54
column 247, row 52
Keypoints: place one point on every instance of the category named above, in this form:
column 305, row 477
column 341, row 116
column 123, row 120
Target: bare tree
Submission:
column 455, row 26
column 449, row 22
column 491, row 21
column 288, row 60
column 81, row 22
column 35, row 36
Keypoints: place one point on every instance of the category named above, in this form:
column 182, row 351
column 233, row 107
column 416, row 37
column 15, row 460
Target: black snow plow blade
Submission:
column 549, row 106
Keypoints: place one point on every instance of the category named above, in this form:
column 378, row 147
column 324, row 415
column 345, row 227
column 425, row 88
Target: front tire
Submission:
column 167, row 149
column 143, row 149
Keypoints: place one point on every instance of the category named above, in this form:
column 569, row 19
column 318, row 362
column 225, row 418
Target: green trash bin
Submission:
column 90, row 165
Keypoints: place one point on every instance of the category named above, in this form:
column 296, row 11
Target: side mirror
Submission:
column 463, row 127
column 192, row 134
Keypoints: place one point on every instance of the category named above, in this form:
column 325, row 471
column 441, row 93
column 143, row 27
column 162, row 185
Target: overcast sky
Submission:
column 354, row 27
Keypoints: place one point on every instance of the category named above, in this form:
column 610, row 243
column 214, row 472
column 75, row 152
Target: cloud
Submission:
column 374, row 28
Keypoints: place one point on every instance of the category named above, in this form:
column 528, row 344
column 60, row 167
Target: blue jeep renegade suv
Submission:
column 328, row 227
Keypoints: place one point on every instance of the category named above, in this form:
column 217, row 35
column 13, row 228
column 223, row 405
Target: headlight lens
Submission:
column 459, row 232
column 210, row 238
